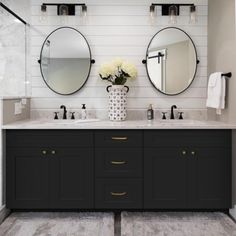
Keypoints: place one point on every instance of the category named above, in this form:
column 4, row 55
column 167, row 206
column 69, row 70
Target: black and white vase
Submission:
column 117, row 102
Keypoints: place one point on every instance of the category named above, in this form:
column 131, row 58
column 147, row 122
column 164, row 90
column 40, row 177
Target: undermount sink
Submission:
column 183, row 122
column 71, row 121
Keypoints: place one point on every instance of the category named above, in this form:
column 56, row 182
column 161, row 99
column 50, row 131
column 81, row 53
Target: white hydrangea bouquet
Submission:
column 118, row 71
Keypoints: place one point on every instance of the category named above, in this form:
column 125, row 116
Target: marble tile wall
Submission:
column 12, row 66
column 12, row 55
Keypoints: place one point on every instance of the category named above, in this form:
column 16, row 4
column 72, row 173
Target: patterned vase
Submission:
column 117, row 102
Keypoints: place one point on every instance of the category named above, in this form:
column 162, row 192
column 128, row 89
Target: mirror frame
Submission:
column 196, row 67
column 90, row 54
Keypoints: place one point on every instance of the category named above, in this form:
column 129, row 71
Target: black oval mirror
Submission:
column 65, row 61
column 171, row 61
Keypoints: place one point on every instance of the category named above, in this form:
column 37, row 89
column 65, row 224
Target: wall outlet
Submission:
column 18, row 108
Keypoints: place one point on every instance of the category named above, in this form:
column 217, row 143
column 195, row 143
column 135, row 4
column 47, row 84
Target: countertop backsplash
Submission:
column 132, row 114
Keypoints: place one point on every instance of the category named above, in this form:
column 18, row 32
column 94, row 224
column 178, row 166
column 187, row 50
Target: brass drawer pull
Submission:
column 120, row 138
column 118, row 162
column 118, row 194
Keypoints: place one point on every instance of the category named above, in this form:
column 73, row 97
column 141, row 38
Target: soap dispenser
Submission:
column 84, row 112
column 150, row 113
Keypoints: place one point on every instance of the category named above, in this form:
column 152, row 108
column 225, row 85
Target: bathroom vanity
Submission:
column 118, row 168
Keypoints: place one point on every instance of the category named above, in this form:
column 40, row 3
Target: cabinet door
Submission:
column 165, row 178
column 71, row 178
column 209, row 178
column 27, row 178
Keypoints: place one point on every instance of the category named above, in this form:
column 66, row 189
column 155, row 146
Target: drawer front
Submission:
column 49, row 138
column 118, row 138
column 118, row 194
column 187, row 138
column 112, row 162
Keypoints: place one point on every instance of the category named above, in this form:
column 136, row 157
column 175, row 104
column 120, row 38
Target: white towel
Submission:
column 216, row 92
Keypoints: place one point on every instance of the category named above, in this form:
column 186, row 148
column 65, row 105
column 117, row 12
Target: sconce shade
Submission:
column 152, row 11
column 43, row 8
column 43, row 16
column 193, row 15
column 153, row 14
column 84, row 10
column 63, row 10
column 173, row 12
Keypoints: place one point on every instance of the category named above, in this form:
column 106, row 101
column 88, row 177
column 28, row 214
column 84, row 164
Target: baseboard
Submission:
column 4, row 212
column 232, row 212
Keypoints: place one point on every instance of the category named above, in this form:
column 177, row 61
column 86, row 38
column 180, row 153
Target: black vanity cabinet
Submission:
column 49, row 169
column 118, row 169
column 188, row 169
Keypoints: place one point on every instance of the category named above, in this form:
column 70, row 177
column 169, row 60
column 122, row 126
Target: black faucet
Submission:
column 172, row 115
column 65, row 112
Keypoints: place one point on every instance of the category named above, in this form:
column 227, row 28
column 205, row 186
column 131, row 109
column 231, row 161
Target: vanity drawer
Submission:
column 118, row 194
column 187, row 138
column 112, row 162
column 118, row 138
column 49, row 138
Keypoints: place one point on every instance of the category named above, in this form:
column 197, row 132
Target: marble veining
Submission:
column 12, row 55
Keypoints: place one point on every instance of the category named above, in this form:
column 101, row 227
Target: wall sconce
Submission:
column 173, row 10
column 63, row 10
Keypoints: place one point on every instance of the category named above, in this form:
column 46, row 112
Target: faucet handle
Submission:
column 181, row 115
column 56, row 115
column 72, row 115
column 164, row 115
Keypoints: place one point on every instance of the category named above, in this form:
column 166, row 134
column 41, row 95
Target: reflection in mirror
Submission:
column 171, row 61
column 65, row 61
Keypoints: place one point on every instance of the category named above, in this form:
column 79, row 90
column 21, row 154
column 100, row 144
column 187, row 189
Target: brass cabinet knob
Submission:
column 44, row 152
column 53, row 152
column 184, row 153
column 118, row 194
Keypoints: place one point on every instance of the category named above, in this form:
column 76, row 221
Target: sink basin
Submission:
column 181, row 122
column 65, row 122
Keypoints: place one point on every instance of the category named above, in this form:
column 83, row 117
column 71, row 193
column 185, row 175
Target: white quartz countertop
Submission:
column 129, row 124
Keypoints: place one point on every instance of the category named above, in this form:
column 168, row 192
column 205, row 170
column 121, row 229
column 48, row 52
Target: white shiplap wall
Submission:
column 119, row 29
